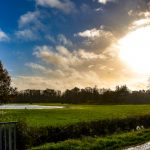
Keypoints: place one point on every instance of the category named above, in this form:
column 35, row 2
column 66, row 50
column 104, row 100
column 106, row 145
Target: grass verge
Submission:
column 114, row 142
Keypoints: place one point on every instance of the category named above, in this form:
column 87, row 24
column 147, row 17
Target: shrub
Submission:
column 28, row 137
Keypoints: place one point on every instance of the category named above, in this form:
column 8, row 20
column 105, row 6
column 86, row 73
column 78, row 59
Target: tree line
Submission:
column 121, row 95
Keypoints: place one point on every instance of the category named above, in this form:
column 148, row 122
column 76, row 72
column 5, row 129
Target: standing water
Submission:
column 27, row 106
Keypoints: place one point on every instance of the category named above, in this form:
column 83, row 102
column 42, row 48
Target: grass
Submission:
column 116, row 141
column 72, row 114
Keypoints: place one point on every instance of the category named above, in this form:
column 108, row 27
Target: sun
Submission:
column 135, row 50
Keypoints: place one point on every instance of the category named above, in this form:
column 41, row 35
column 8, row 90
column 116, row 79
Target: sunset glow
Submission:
column 135, row 50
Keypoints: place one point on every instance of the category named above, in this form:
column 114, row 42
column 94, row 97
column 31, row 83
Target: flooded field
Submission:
column 28, row 106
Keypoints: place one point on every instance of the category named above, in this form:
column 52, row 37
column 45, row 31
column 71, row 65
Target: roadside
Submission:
column 145, row 146
column 113, row 142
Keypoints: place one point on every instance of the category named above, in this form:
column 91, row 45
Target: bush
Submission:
column 24, row 139
column 28, row 137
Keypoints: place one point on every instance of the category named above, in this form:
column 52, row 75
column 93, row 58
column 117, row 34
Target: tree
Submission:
column 6, row 91
column 122, row 90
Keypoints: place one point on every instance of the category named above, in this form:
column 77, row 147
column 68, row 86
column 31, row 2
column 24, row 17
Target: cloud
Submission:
column 60, row 68
column 62, row 58
column 30, row 26
column 65, row 6
column 145, row 14
column 105, row 1
column 3, row 36
column 64, row 69
column 27, row 35
column 36, row 66
column 29, row 18
column 62, row 40
column 94, row 33
column 40, row 82
column 141, row 10
column 50, row 38
column 141, row 22
column 96, row 39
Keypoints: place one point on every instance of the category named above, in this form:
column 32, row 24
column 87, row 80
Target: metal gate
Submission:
column 8, row 135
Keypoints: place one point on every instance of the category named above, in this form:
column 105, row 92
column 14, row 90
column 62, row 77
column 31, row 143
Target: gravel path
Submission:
column 145, row 146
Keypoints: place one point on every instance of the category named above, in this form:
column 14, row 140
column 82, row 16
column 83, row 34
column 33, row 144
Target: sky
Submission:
column 61, row 44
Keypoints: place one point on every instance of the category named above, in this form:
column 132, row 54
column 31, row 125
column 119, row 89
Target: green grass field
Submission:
column 73, row 113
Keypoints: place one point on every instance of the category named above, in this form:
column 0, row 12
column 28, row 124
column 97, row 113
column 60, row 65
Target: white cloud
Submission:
column 105, row 1
column 146, row 14
column 65, row 6
column 62, row 58
column 36, row 66
column 50, row 38
column 26, row 35
column 61, row 39
column 28, row 18
column 64, row 69
column 63, row 51
column 141, row 22
column 96, row 39
column 89, row 55
column 143, row 14
column 130, row 12
column 94, row 33
column 3, row 36
column 64, row 41
column 141, row 18
column 30, row 26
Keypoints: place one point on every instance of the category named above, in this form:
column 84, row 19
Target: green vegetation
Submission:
column 72, row 114
column 37, row 127
column 116, row 141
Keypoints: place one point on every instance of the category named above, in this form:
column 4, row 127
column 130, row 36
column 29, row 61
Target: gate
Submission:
column 8, row 135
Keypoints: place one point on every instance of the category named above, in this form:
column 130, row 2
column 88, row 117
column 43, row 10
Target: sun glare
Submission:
column 135, row 50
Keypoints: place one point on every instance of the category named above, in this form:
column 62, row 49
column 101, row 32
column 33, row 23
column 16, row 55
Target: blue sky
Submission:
column 65, row 43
